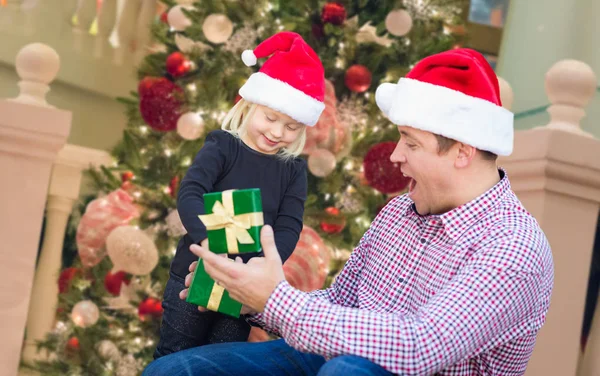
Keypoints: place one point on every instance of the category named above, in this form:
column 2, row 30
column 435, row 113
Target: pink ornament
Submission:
column 308, row 266
column 321, row 162
column 329, row 133
column 101, row 216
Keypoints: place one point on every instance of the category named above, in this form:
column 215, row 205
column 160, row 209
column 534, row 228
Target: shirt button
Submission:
column 400, row 279
column 423, row 240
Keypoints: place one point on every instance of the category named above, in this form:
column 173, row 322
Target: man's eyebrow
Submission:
column 408, row 135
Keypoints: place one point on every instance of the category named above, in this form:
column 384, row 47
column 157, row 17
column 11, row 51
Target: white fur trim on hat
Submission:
column 280, row 96
column 448, row 113
column 249, row 58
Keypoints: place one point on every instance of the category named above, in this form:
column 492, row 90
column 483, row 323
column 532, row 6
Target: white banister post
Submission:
column 555, row 172
column 64, row 190
column 31, row 134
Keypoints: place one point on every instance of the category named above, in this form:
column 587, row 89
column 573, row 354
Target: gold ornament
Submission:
column 398, row 22
column 187, row 45
column 131, row 250
column 217, row 28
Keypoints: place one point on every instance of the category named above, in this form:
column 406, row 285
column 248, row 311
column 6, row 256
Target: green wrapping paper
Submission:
column 206, row 293
column 233, row 220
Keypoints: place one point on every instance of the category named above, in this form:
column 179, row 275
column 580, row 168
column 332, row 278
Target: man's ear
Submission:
column 464, row 155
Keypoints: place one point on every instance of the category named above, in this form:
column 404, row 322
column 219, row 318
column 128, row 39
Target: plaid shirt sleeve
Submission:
column 495, row 291
column 342, row 292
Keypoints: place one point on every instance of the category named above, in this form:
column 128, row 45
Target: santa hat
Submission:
column 292, row 81
column 453, row 94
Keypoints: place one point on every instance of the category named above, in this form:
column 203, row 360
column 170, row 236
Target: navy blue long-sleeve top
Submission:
column 225, row 162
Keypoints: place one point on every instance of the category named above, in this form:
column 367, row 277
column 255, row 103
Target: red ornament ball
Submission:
column 113, row 282
column 65, row 278
column 178, row 64
column 381, row 173
column 336, row 225
column 73, row 344
column 161, row 106
column 358, row 78
column 145, row 84
column 126, row 176
column 164, row 17
column 150, row 308
column 174, row 186
column 333, row 13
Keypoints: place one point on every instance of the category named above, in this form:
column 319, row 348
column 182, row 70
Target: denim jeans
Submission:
column 184, row 327
column 271, row 358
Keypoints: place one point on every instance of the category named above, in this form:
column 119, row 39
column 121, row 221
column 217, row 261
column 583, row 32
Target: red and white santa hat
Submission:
column 453, row 94
column 292, row 81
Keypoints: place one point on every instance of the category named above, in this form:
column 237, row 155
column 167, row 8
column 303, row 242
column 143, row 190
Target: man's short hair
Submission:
column 445, row 143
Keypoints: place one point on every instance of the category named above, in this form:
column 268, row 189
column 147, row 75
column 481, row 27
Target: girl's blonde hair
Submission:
column 237, row 119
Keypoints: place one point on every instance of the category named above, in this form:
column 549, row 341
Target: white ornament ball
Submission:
column 217, row 28
column 177, row 19
column 85, row 313
column 398, row 22
column 174, row 225
column 108, row 350
column 190, row 126
column 321, row 162
column 131, row 250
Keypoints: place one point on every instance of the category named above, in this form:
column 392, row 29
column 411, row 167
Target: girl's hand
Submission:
column 188, row 280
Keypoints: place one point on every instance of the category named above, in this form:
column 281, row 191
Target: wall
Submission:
column 535, row 37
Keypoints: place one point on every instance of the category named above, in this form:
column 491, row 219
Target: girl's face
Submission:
column 269, row 131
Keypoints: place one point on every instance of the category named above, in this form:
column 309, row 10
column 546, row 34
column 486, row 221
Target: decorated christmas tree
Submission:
column 110, row 302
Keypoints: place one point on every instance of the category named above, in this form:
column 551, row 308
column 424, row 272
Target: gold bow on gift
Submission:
column 236, row 226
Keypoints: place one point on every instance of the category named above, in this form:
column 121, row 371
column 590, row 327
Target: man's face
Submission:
column 432, row 179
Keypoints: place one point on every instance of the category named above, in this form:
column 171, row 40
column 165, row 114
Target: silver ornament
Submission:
column 131, row 250
column 85, row 313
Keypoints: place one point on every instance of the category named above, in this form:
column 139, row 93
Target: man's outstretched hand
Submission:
column 250, row 284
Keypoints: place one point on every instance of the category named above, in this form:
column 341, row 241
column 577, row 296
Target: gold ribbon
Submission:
column 216, row 295
column 236, row 226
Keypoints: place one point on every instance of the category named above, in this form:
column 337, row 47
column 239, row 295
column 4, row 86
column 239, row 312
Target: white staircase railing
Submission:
column 31, row 135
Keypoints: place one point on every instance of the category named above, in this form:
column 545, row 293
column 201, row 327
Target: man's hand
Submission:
column 251, row 284
column 188, row 281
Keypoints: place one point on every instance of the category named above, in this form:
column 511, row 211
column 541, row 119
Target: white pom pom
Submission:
column 249, row 58
column 384, row 96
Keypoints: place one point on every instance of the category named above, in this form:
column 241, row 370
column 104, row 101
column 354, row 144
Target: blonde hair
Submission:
column 237, row 119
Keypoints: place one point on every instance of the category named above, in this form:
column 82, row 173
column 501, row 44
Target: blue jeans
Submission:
column 184, row 327
column 271, row 358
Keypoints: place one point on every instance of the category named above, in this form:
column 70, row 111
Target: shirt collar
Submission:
column 458, row 220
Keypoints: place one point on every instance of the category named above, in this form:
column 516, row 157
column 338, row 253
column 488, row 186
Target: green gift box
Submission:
column 233, row 220
column 206, row 293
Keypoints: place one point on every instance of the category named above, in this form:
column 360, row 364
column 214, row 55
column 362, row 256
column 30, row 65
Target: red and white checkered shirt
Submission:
column 462, row 293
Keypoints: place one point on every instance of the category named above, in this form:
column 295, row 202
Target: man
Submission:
column 453, row 278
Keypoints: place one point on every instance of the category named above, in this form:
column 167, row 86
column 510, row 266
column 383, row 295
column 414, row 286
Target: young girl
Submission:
column 258, row 147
